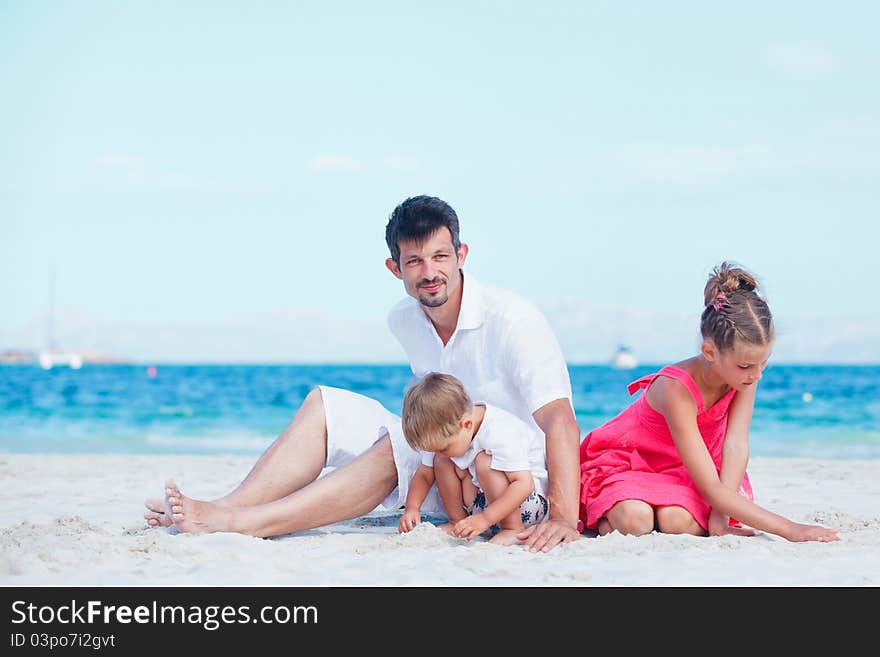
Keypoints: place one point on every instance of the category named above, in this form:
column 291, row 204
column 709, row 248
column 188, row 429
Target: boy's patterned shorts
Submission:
column 533, row 509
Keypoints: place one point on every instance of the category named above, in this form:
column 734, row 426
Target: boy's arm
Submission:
column 521, row 486
column 419, row 486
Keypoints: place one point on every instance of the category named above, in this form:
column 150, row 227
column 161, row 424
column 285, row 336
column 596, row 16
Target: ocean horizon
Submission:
column 802, row 410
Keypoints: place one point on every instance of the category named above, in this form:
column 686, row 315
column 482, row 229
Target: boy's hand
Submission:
column 409, row 519
column 471, row 526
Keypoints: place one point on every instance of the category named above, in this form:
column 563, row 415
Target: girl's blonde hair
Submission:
column 734, row 309
column 432, row 410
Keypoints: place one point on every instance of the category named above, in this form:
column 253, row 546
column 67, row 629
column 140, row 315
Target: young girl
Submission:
column 675, row 460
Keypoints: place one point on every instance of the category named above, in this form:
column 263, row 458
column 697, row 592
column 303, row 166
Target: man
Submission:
column 496, row 343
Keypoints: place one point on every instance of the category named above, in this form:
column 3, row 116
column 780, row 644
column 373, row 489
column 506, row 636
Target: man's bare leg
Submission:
column 294, row 460
column 349, row 491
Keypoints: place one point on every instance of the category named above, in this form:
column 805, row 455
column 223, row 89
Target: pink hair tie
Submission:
column 719, row 298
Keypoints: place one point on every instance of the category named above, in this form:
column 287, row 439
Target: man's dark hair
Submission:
column 416, row 219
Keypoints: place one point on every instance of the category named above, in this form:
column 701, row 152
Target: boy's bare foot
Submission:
column 155, row 515
column 193, row 516
column 448, row 527
column 506, row 537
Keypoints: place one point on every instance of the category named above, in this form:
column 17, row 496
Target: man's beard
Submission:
column 433, row 301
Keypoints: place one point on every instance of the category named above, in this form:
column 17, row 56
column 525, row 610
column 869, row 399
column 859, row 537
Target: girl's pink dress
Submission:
column 632, row 457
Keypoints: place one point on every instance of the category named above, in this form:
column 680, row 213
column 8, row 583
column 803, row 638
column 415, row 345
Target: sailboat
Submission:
column 52, row 355
column 623, row 358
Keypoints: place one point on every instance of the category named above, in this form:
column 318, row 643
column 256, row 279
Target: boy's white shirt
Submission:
column 512, row 444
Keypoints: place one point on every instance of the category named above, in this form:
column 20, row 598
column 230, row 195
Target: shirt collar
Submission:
column 470, row 315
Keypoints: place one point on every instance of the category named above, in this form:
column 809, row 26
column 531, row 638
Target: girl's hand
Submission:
column 801, row 533
column 719, row 525
column 409, row 519
column 470, row 526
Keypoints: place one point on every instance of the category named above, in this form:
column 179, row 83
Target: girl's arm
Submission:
column 735, row 456
column 675, row 403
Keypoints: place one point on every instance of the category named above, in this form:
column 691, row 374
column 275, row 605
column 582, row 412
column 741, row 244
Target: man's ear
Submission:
column 391, row 264
column 462, row 254
column 709, row 351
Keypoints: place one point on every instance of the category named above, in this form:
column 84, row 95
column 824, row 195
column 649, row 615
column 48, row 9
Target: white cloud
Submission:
column 128, row 168
column 802, row 61
column 133, row 170
column 401, row 163
column 692, row 165
column 334, row 163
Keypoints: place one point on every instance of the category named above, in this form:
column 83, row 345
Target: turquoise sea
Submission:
column 821, row 411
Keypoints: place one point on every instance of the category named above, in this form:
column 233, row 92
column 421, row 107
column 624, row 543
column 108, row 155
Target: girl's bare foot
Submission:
column 194, row 516
column 155, row 515
column 506, row 537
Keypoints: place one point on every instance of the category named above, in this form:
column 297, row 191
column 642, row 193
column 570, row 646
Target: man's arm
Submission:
column 562, row 434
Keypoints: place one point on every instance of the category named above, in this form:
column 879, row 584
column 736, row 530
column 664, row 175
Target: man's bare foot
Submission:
column 194, row 516
column 155, row 515
column 506, row 537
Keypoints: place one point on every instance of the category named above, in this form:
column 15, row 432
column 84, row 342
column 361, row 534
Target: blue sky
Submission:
column 211, row 182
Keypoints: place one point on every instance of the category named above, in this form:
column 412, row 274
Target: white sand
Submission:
column 77, row 520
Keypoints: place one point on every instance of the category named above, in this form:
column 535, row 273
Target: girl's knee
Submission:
column 677, row 520
column 632, row 517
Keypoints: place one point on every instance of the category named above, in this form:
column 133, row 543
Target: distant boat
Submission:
column 623, row 359
column 51, row 355
column 49, row 359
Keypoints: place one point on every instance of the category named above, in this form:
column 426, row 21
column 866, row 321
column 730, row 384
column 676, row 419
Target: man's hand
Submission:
column 547, row 535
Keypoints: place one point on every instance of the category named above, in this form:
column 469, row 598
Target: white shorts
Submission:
column 354, row 424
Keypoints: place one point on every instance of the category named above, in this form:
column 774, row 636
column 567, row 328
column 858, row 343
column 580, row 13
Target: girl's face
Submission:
column 741, row 367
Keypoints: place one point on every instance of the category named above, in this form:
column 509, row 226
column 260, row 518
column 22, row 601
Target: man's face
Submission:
column 430, row 269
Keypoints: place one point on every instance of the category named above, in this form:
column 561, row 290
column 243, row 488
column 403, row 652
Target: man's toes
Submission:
column 156, row 504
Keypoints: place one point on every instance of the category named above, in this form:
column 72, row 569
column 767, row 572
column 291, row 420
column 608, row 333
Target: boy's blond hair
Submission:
column 432, row 410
